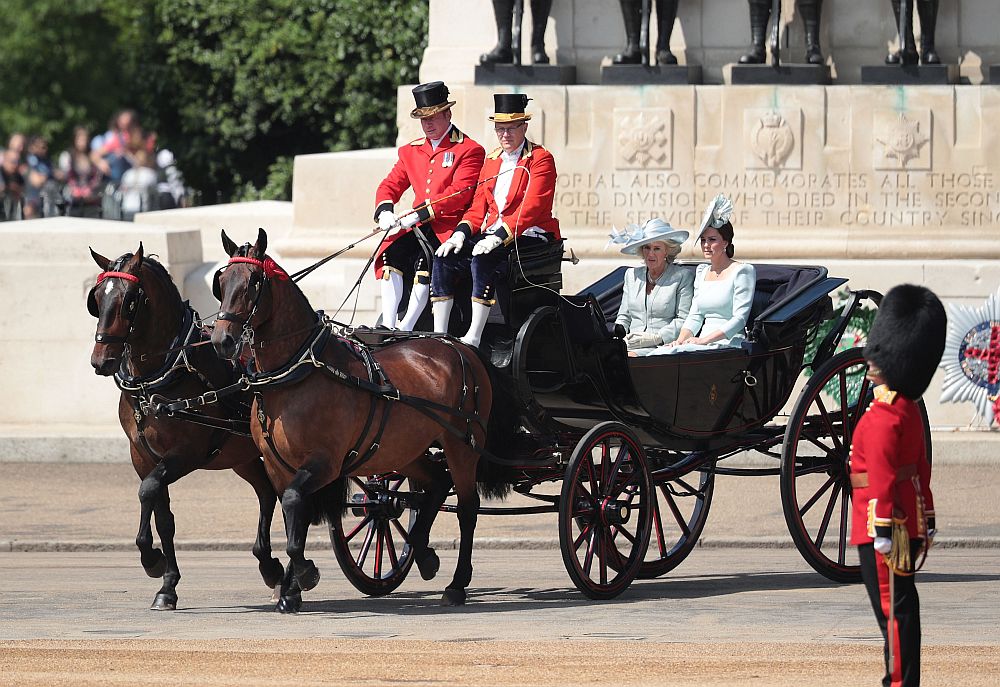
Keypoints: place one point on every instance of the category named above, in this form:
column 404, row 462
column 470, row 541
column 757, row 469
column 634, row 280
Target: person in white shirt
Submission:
column 723, row 289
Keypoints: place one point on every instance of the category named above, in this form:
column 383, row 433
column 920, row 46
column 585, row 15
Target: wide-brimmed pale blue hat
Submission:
column 634, row 237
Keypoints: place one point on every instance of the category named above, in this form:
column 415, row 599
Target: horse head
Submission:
column 116, row 301
column 243, row 290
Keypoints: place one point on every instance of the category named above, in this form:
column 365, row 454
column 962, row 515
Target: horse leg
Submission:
column 435, row 482
column 289, row 593
column 153, row 561
column 166, row 598
column 464, row 474
column 295, row 508
column 254, row 473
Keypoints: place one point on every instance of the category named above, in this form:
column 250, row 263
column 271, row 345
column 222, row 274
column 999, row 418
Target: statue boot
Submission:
column 666, row 12
column 502, row 53
column 539, row 20
column 907, row 53
column 928, row 11
column 811, row 11
column 632, row 15
column 760, row 12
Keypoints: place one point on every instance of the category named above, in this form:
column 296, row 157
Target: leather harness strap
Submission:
column 859, row 480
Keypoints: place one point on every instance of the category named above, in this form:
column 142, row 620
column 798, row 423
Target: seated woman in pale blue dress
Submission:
column 656, row 297
column 723, row 289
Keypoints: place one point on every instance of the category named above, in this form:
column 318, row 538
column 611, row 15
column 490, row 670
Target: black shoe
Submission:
column 814, row 55
column 627, row 57
column 757, row 55
column 498, row 55
column 538, row 56
column 665, row 57
column 930, row 56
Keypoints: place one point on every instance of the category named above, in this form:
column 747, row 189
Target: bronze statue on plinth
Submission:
column 907, row 53
column 763, row 10
column 636, row 14
column 508, row 15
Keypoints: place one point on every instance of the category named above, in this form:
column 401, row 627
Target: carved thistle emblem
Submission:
column 772, row 139
column 903, row 140
column 643, row 140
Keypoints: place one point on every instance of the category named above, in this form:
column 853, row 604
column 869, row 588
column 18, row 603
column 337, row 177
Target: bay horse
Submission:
column 327, row 407
column 144, row 336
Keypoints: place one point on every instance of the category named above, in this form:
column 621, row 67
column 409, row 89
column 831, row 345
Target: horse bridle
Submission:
column 255, row 288
column 129, row 310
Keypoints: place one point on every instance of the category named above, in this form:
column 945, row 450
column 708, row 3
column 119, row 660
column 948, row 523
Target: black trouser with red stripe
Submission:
column 906, row 636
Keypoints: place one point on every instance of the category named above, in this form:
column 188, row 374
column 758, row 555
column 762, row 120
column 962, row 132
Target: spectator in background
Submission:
column 170, row 188
column 39, row 180
column 138, row 185
column 83, row 179
column 12, row 182
column 113, row 151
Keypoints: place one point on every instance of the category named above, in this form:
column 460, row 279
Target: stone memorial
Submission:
column 752, row 69
column 502, row 64
column 632, row 64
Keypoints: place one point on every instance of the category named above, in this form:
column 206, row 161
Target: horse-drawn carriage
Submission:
column 625, row 449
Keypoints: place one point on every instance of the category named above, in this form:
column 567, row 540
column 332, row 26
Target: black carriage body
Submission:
column 569, row 373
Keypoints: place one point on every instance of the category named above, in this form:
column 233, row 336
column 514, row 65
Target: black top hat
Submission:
column 430, row 98
column 907, row 339
column 510, row 107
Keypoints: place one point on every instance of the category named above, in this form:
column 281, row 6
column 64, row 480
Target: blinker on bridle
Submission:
column 130, row 306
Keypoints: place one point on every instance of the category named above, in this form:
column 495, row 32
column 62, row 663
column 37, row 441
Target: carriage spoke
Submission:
column 588, row 558
column 625, row 533
column 379, row 547
column 815, row 497
column 821, row 534
column 366, row 546
column 390, row 549
column 844, row 402
column 817, row 443
column 357, row 528
column 623, row 453
column 678, row 517
column 605, row 551
column 594, row 489
column 859, row 408
column 845, row 514
column 658, row 528
column 402, row 532
column 825, row 414
column 584, row 533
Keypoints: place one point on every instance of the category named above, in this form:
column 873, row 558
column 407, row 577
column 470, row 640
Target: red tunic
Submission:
column 433, row 174
column 529, row 200
column 888, row 446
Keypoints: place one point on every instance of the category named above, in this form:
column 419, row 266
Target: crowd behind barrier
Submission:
column 112, row 175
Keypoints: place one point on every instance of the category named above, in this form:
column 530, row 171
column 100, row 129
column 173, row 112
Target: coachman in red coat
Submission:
column 893, row 508
column 513, row 202
column 441, row 168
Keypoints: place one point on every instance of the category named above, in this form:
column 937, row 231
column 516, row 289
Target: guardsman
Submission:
column 893, row 512
column 442, row 168
column 513, row 202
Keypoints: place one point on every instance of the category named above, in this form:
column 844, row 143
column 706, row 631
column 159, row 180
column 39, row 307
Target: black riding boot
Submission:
column 811, row 11
column 928, row 10
column 907, row 44
column 503, row 10
column 666, row 12
column 539, row 20
column 760, row 12
column 632, row 15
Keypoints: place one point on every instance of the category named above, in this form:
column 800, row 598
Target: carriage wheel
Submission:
column 371, row 539
column 605, row 511
column 679, row 514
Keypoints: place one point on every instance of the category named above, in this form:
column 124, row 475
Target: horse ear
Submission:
column 139, row 253
column 135, row 262
column 101, row 261
column 261, row 245
column 227, row 244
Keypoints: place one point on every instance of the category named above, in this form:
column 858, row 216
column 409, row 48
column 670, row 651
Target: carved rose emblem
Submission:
column 772, row 139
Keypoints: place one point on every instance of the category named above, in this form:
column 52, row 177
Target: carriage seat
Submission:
column 531, row 278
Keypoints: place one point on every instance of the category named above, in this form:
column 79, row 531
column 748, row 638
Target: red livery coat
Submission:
column 433, row 174
column 888, row 446
column 529, row 200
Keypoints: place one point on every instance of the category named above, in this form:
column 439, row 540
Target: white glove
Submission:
column 883, row 545
column 386, row 220
column 452, row 245
column 931, row 533
column 486, row 245
column 643, row 340
column 407, row 221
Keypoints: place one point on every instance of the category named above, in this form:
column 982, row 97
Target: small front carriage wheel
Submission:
column 605, row 511
column 371, row 539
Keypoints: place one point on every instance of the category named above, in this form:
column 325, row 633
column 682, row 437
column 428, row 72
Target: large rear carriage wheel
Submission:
column 680, row 509
column 371, row 540
column 605, row 511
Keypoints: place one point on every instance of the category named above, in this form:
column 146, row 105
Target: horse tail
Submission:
column 495, row 479
column 328, row 503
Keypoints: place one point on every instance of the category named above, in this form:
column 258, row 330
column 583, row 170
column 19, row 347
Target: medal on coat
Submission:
column 449, row 159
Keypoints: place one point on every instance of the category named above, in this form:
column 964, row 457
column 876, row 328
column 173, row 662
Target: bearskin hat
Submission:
column 906, row 341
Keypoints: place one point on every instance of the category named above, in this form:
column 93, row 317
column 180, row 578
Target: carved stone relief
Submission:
column 644, row 138
column 902, row 139
column 772, row 138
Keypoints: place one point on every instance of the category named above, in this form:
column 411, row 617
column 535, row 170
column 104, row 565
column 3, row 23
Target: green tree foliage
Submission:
column 236, row 88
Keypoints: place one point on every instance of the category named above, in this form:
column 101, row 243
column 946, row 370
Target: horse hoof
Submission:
column 277, row 594
column 453, row 597
column 289, row 604
column 158, row 566
column 164, row 602
column 272, row 572
column 428, row 564
column 309, row 578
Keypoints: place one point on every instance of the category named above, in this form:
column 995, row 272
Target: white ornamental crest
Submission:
column 772, row 139
column 972, row 357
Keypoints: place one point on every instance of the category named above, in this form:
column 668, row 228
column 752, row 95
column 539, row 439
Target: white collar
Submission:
column 436, row 142
column 514, row 154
